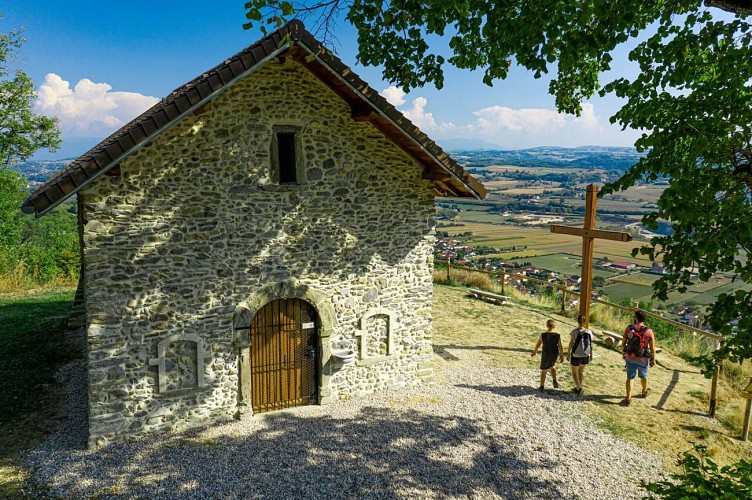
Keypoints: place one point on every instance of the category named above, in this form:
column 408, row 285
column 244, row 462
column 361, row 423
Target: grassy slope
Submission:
column 32, row 347
column 667, row 422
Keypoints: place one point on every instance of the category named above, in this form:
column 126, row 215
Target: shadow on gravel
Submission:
column 524, row 390
column 377, row 453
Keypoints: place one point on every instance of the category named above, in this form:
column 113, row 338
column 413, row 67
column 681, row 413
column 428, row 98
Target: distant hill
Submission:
column 471, row 152
column 38, row 171
column 467, row 144
column 608, row 158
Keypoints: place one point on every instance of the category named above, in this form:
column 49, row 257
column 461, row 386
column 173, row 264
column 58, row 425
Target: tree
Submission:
column 12, row 195
column 692, row 100
column 22, row 131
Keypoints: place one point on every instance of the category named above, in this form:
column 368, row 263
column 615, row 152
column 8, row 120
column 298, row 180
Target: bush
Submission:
column 702, row 479
column 462, row 277
column 33, row 251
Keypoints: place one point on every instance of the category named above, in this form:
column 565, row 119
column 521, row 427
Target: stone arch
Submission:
column 247, row 309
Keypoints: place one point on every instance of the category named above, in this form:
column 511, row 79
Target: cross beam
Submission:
column 589, row 234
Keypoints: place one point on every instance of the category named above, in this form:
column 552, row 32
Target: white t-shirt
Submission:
column 579, row 352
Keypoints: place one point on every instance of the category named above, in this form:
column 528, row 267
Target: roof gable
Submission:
column 294, row 41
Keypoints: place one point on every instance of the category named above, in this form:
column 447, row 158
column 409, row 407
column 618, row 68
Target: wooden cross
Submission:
column 589, row 234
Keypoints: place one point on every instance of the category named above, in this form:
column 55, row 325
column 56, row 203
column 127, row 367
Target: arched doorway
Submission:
column 283, row 355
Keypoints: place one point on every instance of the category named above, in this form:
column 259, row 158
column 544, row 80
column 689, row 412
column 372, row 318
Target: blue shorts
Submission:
column 637, row 367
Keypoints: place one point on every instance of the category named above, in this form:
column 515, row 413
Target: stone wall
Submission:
column 193, row 228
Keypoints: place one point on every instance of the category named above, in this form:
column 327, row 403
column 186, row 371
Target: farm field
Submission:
column 548, row 187
column 561, row 253
column 619, row 291
column 538, row 241
column 569, row 265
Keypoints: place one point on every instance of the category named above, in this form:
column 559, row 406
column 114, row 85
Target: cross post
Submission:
column 589, row 234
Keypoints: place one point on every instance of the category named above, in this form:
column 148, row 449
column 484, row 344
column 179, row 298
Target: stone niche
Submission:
column 376, row 334
column 180, row 363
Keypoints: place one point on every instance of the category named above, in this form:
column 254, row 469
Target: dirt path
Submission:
column 674, row 415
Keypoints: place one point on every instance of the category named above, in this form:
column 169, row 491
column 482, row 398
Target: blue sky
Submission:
column 97, row 64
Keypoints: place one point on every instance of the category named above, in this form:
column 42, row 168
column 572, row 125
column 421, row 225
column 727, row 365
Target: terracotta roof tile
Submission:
column 193, row 96
column 237, row 67
column 126, row 142
column 150, row 126
column 79, row 176
column 182, row 104
column 138, row 134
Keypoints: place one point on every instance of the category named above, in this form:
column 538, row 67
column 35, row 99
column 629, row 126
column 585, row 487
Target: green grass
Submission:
column 569, row 265
column 619, row 291
column 32, row 347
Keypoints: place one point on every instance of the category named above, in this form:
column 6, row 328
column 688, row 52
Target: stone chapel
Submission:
column 261, row 238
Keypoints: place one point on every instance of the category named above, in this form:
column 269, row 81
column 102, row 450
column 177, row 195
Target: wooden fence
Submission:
column 503, row 275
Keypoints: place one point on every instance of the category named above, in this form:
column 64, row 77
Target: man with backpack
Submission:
column 579, row 352
column 639, row 353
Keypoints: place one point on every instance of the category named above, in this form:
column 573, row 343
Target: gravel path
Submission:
column 476, row 432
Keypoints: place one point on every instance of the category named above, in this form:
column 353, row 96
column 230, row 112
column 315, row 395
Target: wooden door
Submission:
column 283, row 355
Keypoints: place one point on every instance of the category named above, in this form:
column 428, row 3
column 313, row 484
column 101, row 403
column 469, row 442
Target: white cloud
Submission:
column 417, row 114
column 428, row 124
column 510, row 127
column 89, row 109
column 497, row 118
column 587, row 119
column 394, row 95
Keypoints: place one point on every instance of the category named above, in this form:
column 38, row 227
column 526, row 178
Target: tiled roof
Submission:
column 366, row 104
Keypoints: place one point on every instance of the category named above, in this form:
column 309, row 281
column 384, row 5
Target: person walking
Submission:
column 579, row 352
column 639, row 354
column 552, row 349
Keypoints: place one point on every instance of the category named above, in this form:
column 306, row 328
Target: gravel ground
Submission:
column 476, row 432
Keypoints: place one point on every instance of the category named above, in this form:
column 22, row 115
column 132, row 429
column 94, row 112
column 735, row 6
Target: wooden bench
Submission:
column 482, row 294
column 614, row 340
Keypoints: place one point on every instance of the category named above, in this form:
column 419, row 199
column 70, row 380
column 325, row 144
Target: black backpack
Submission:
column 583, row 336
column 637, row 344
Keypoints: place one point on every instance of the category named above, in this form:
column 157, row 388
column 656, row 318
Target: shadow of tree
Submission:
column 441, row 348
column 376, row 452
column 32, row 347
column 525, row 390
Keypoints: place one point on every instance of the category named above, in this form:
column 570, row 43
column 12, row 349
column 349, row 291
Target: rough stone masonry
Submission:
column 193, row 235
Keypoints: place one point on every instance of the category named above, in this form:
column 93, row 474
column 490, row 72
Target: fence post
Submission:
column 503, row 279
column 714, row 386
column 449, row 264
column 563, row 300
column 747, row 414
column 713, row 392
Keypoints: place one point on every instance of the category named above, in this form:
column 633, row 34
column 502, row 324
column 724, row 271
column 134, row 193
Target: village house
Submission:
column 261, row 238
column 624, row 265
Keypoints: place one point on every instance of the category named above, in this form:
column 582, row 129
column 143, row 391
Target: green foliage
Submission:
column 694, row 98
column 701, row 478
column 22, row 131
column 692, row 101
column 11, row 196
column 47, row 248
column 574, row 37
